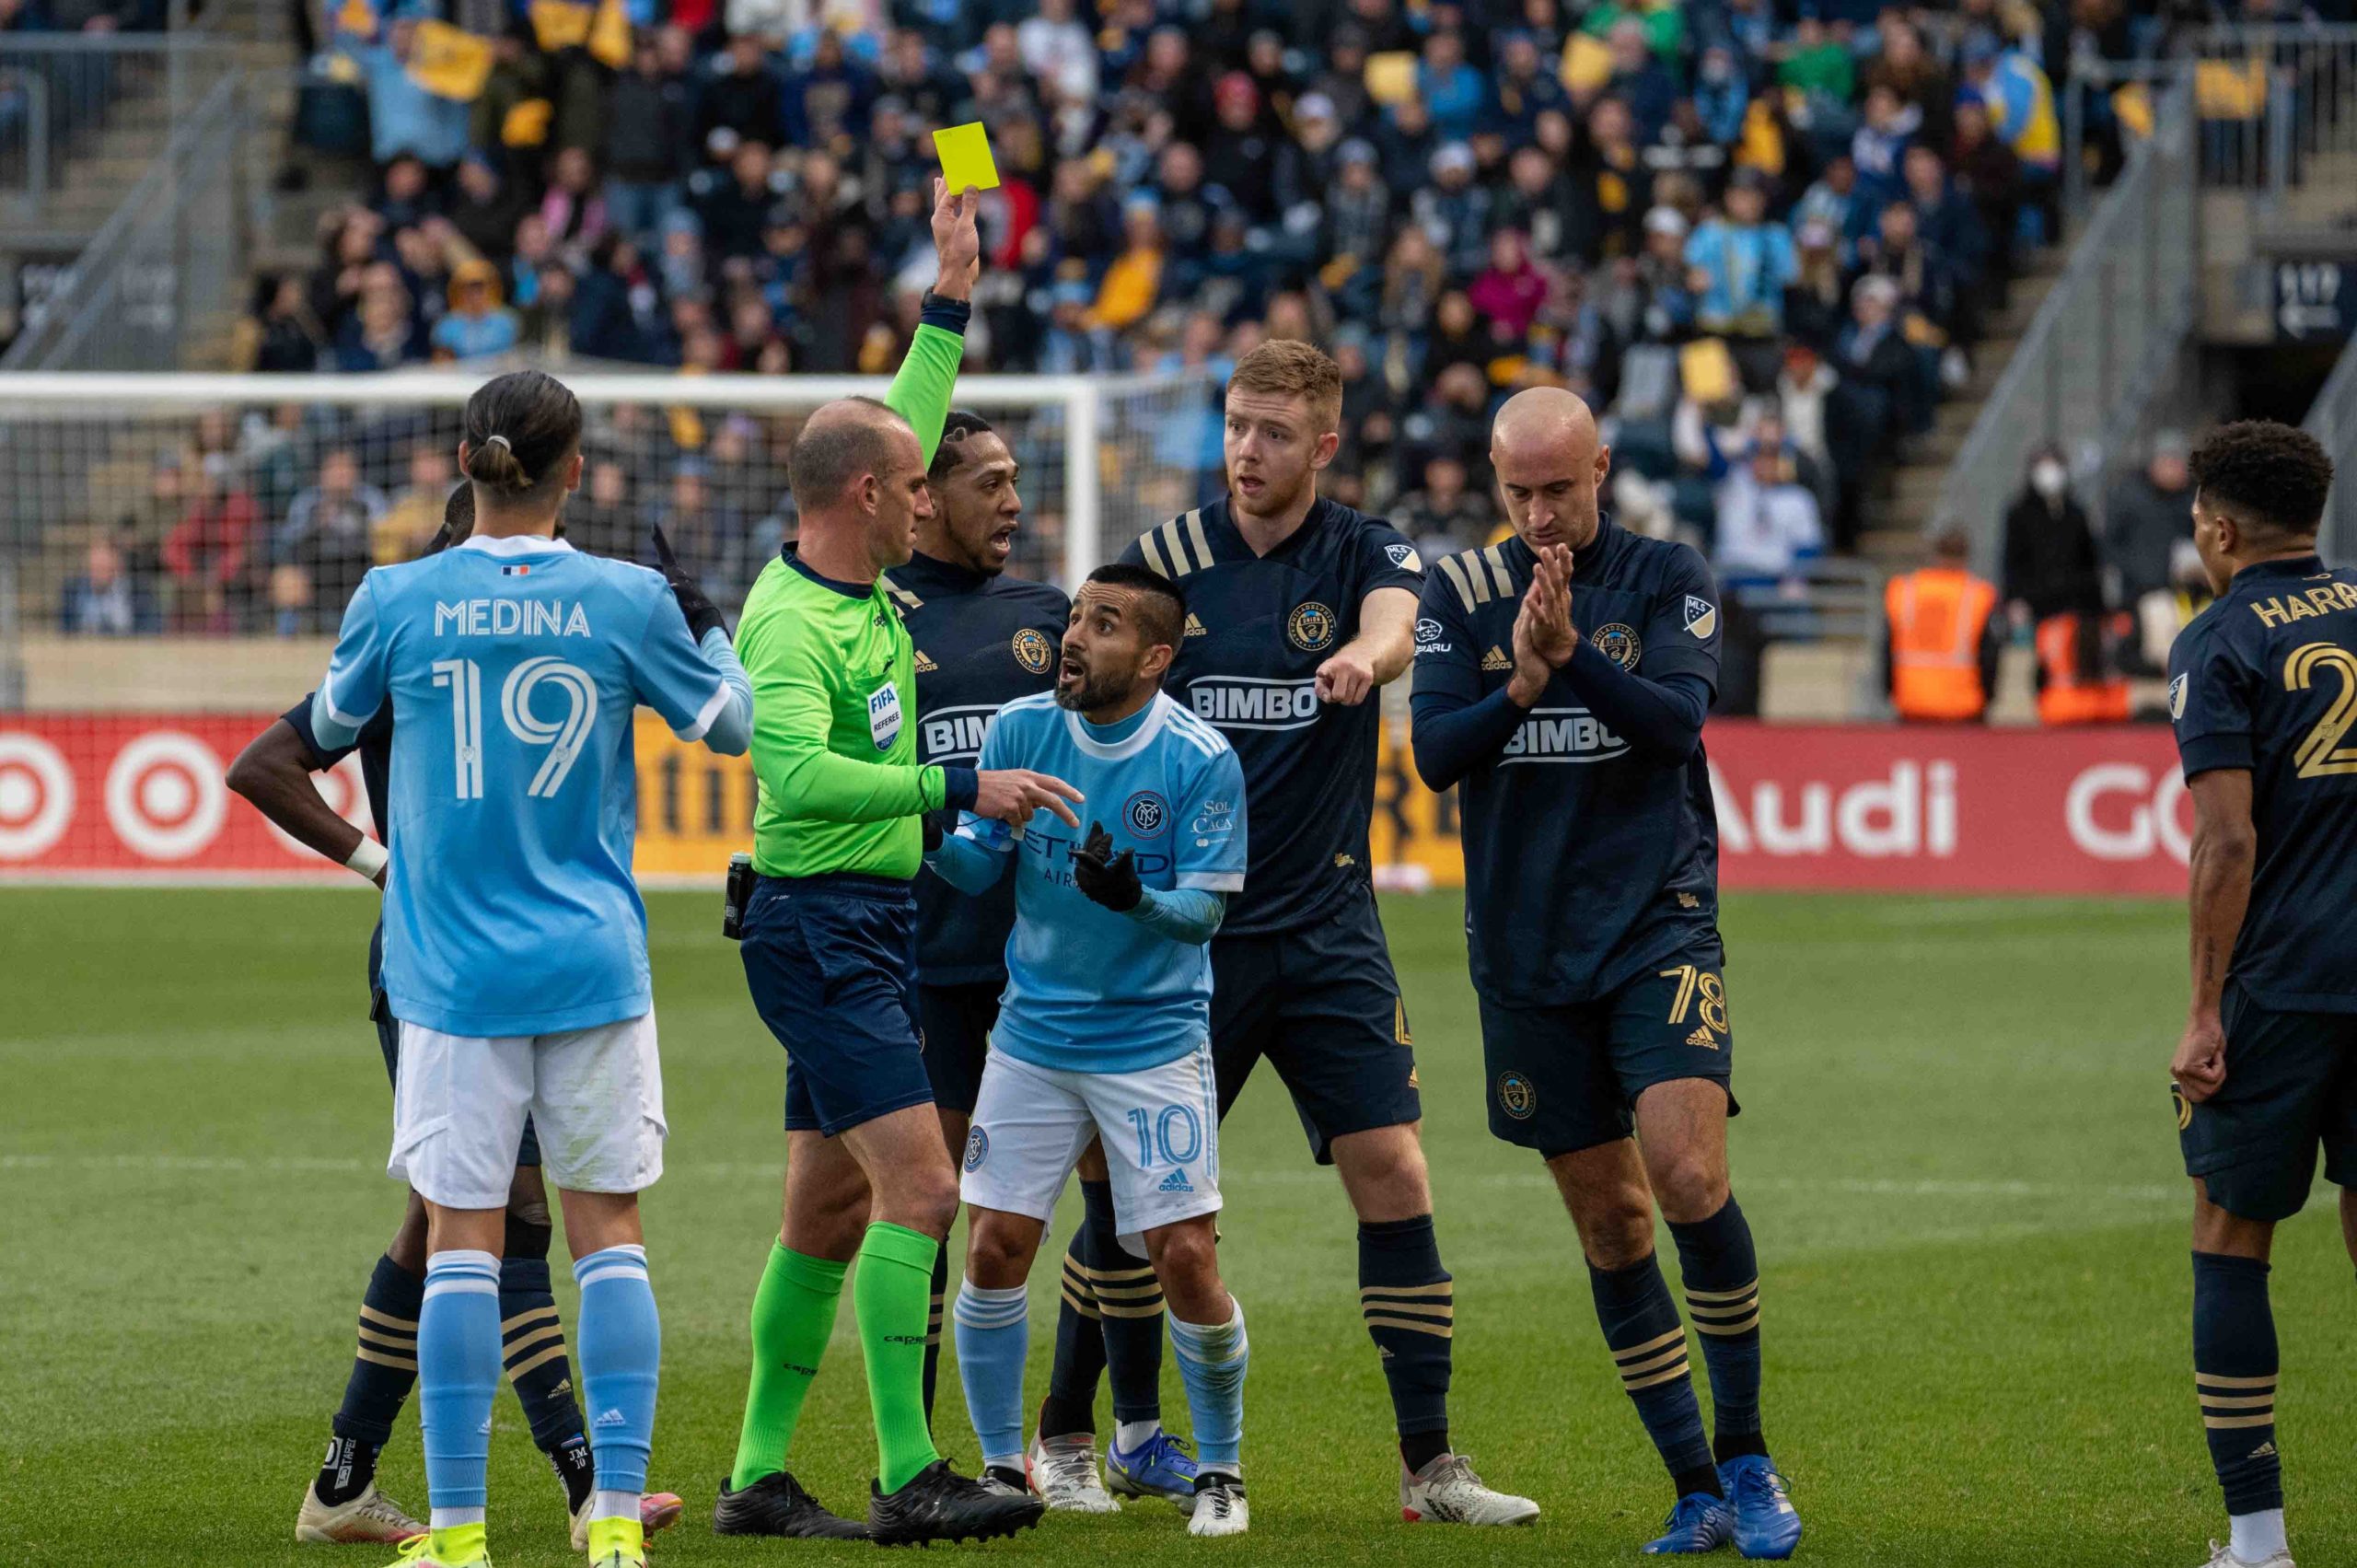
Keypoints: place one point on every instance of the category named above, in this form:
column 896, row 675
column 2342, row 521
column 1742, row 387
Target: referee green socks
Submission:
column 892, row 1297
column 793, row 1316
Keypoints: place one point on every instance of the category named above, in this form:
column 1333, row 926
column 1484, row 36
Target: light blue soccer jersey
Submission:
column 513, row 667
column 1089, row 990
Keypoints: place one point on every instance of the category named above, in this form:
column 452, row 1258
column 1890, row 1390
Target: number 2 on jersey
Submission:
column 564, row 738
column 2320, row 752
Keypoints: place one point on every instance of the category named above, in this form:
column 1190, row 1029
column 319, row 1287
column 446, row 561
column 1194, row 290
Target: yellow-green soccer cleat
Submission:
column 460, row 1545
column 656, row 1511
column 371, row 1516
column 617, row 1543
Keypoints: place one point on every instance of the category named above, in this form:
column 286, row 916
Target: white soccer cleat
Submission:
column 1447, row 1491
column 1220, row 1508
column 371, row 1516
column 656, row 1511
column 1064, row 1472
column 2224, row 1557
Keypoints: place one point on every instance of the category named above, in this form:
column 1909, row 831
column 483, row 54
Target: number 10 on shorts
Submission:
column 1176, row 1135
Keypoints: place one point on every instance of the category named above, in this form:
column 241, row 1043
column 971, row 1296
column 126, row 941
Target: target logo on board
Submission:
column 164, row 795
column 36, row 796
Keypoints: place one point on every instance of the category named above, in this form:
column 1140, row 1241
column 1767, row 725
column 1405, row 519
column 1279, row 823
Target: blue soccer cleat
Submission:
column 1766, row 1524
column 1699, row 1523
column 1155, row 1467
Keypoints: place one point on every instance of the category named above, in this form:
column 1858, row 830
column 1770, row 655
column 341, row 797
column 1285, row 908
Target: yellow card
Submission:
column 965, row 157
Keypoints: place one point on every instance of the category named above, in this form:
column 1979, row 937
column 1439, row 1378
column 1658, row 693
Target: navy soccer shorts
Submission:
column 1567, row 1076
column 957, row 1020
column 832, row 964
column 1322, row 1005
column 2291, row 1086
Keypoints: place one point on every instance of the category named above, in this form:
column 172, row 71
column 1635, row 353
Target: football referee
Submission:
column 830, row 944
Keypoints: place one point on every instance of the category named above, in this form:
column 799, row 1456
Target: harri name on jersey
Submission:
column 511, row 618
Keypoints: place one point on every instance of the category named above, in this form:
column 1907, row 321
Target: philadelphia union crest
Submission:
column 1032, row 650
column 1516, row 1097
column 1310, row 627
column 1619, row 644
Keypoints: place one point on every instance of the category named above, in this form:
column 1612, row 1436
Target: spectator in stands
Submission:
column 1768, row 523
column 329, row 537
column 382, row 333
column 105, row 599
column 2019, row 101
column 1745, row 264
column 1511, row 292
column 1942, row 638
column 1990, row 179
column 743, row 100
column 2149, row 516
column 288, row 339
column 1880, row 397
column 404, row 528
column 2050, row 564
column 573, row 209
column 650, row 121
column 487, row 208
column 210, row 551
column 708, row 531
column 1454, row 210
column 404, row 115
column 1639, row 79
column 477, row 326
column 1444, row 516
column 1451, row 89
column 1878, row 150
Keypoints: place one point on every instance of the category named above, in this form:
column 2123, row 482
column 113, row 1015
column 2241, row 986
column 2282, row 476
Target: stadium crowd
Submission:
column 1761, row 239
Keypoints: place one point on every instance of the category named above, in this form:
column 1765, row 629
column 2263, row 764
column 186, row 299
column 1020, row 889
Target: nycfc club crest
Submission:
column 1033, row 651
column 978, row 1148
column 1517, row 1098
column 1310, row 627
column 1147, row 814
column 1619, row 644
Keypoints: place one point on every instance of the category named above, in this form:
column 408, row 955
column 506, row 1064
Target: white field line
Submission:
column 740, row 1171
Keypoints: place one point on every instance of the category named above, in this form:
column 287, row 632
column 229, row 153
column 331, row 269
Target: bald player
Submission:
column 1563, row 678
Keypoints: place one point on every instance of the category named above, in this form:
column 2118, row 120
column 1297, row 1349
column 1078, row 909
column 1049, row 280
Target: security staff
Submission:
column 1940, row 645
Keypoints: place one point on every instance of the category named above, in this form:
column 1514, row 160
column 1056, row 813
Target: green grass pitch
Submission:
column 1955, row 1151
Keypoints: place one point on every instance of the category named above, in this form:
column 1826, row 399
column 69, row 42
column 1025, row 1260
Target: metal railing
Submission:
column 61, row 95
column 174, row 249
column 2100, row 340
column 2332, row 420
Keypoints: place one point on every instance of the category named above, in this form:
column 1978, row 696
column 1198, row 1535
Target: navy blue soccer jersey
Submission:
column 2266, row 680
column 1584, row 861
column 980, row 643
column 1258, row 627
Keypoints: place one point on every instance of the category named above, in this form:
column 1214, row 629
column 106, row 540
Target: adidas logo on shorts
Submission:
column 1175, row 1182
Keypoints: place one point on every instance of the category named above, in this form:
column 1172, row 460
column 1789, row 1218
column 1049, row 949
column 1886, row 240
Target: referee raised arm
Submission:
column 830, row 944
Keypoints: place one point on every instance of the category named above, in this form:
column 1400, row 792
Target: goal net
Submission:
column 176, row 553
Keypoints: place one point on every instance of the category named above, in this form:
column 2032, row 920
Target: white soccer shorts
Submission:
column 594, row 1096
column 1160, row 1127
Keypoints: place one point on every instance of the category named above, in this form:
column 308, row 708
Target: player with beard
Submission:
column 1299, row 609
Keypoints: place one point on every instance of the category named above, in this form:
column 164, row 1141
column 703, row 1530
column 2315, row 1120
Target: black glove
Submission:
column 936, row 828
column 1106, row 879
column 702, row 614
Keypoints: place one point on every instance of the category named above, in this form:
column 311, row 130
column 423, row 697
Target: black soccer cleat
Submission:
column 776, row 1506
column 940, row 1504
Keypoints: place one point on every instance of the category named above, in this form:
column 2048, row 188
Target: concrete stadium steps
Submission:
column 1902, row 498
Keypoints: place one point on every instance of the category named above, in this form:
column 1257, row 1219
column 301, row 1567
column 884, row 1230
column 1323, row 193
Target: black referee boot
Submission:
column 940, row 1504
column 776, row 1506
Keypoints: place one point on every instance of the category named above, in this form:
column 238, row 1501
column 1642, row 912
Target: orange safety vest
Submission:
column 1937, row 619
column 2068, row 694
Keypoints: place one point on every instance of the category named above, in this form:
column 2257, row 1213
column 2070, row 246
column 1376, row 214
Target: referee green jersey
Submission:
column 835, row 694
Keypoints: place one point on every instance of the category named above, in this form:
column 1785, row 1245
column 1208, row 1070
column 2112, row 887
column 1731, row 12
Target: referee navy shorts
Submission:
column 2291, row 1086
column 1567, row 1076
column 1322, row 1005
column 832, row 963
